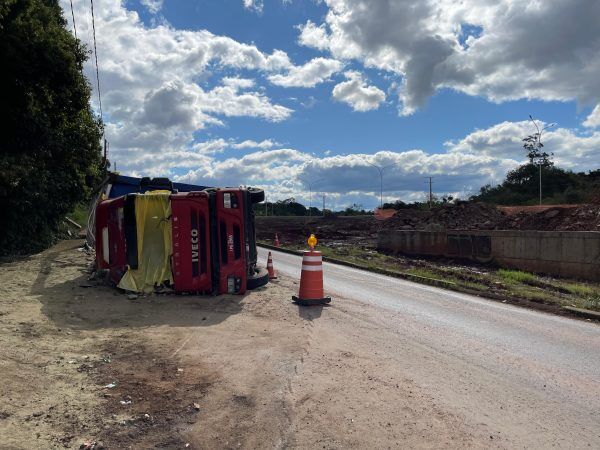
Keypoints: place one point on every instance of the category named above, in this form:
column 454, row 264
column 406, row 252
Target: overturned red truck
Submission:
column 198, row 241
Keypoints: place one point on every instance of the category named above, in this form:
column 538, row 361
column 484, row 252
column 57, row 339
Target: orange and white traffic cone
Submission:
column 311, row 278
column 276, row 240
column 272, row 275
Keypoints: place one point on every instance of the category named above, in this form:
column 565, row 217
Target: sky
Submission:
column 293, row 96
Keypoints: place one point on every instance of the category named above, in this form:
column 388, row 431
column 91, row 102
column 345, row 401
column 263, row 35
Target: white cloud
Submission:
column 152, row 5
column 264, row 144
column 315, row 71
column 313, row 36
column 228, row 101
column 211, row 147
column 593, row 120
column 526, row 49
column 220, row 145
column 468, row 163
column 505, row 140
column 238, row 83
column 152, row 77
column 357, row 93
column 253, row 5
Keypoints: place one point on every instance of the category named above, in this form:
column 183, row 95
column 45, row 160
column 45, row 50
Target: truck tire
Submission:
column 256, row 195
column 257, row 280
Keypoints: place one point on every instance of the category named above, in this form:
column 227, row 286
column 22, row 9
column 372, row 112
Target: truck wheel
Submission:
column 257, row 280
column 256, row 195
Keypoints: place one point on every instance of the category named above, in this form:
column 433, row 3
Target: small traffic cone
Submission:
column 276, row 240
column 272, row 275
column 311, row 278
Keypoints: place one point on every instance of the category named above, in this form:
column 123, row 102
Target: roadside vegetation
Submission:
column 503, row 284
column 50, row 152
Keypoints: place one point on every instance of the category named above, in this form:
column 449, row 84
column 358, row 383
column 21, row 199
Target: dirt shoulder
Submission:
column 84, row 363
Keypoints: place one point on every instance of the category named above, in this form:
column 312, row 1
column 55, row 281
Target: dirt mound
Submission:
column 459, row 216
column 557, row 218
column 511, row 210
column 362, row 230
column 331, row 228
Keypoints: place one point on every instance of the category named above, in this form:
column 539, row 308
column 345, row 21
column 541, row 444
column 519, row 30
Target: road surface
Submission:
column 531, row 379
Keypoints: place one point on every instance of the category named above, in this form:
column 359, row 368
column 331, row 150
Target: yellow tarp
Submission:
column 154, row 241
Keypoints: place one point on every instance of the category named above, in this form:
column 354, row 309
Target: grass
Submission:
column 79, row 215
column 516, row 276
column 582, row 290
column 512, row 284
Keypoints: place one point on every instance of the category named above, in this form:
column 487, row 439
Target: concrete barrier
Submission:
column 573, row 254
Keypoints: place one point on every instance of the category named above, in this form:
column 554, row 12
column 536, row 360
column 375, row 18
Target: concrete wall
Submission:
column 574, row 254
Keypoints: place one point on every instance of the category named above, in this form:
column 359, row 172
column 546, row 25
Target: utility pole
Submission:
column 266, row 206
column 323, row 212
column 430, row 192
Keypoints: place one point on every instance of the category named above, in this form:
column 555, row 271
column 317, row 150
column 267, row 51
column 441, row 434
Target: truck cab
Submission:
column 209, row 238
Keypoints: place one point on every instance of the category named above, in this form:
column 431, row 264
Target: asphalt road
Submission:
column 531, row 377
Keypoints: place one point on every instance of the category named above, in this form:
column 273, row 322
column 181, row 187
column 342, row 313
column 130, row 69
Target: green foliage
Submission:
column 521, row 186
column 423, row 205
column 288, row 207
column 516, row 276
column 79, row 214
column 355, row 210
column 50, row 144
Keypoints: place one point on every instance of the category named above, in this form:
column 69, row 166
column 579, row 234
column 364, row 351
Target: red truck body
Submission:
column 229, row 210
column 213, row 240
column 110, row 238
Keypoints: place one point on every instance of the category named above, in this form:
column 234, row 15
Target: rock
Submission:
column 132, row 296
column 196, row 406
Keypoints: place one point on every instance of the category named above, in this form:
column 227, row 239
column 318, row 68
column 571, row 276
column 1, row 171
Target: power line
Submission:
column 73, row 15
column 96, row 58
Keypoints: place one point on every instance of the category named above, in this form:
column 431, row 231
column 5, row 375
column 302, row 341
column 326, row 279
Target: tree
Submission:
column 50, row 143
column 533, row 147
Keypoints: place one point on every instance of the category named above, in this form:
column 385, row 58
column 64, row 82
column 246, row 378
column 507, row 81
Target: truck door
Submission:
column 110, row 238
column 191, row 260
column 231, row 241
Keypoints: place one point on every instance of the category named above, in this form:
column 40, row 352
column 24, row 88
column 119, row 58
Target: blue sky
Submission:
column 244, row 92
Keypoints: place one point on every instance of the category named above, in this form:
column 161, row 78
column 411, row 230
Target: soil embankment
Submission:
column 461, row 216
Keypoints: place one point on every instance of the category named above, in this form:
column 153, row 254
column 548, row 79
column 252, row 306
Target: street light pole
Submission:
column 540, row 166
column 538, row 145
column 380, row 169
column 310, row 183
